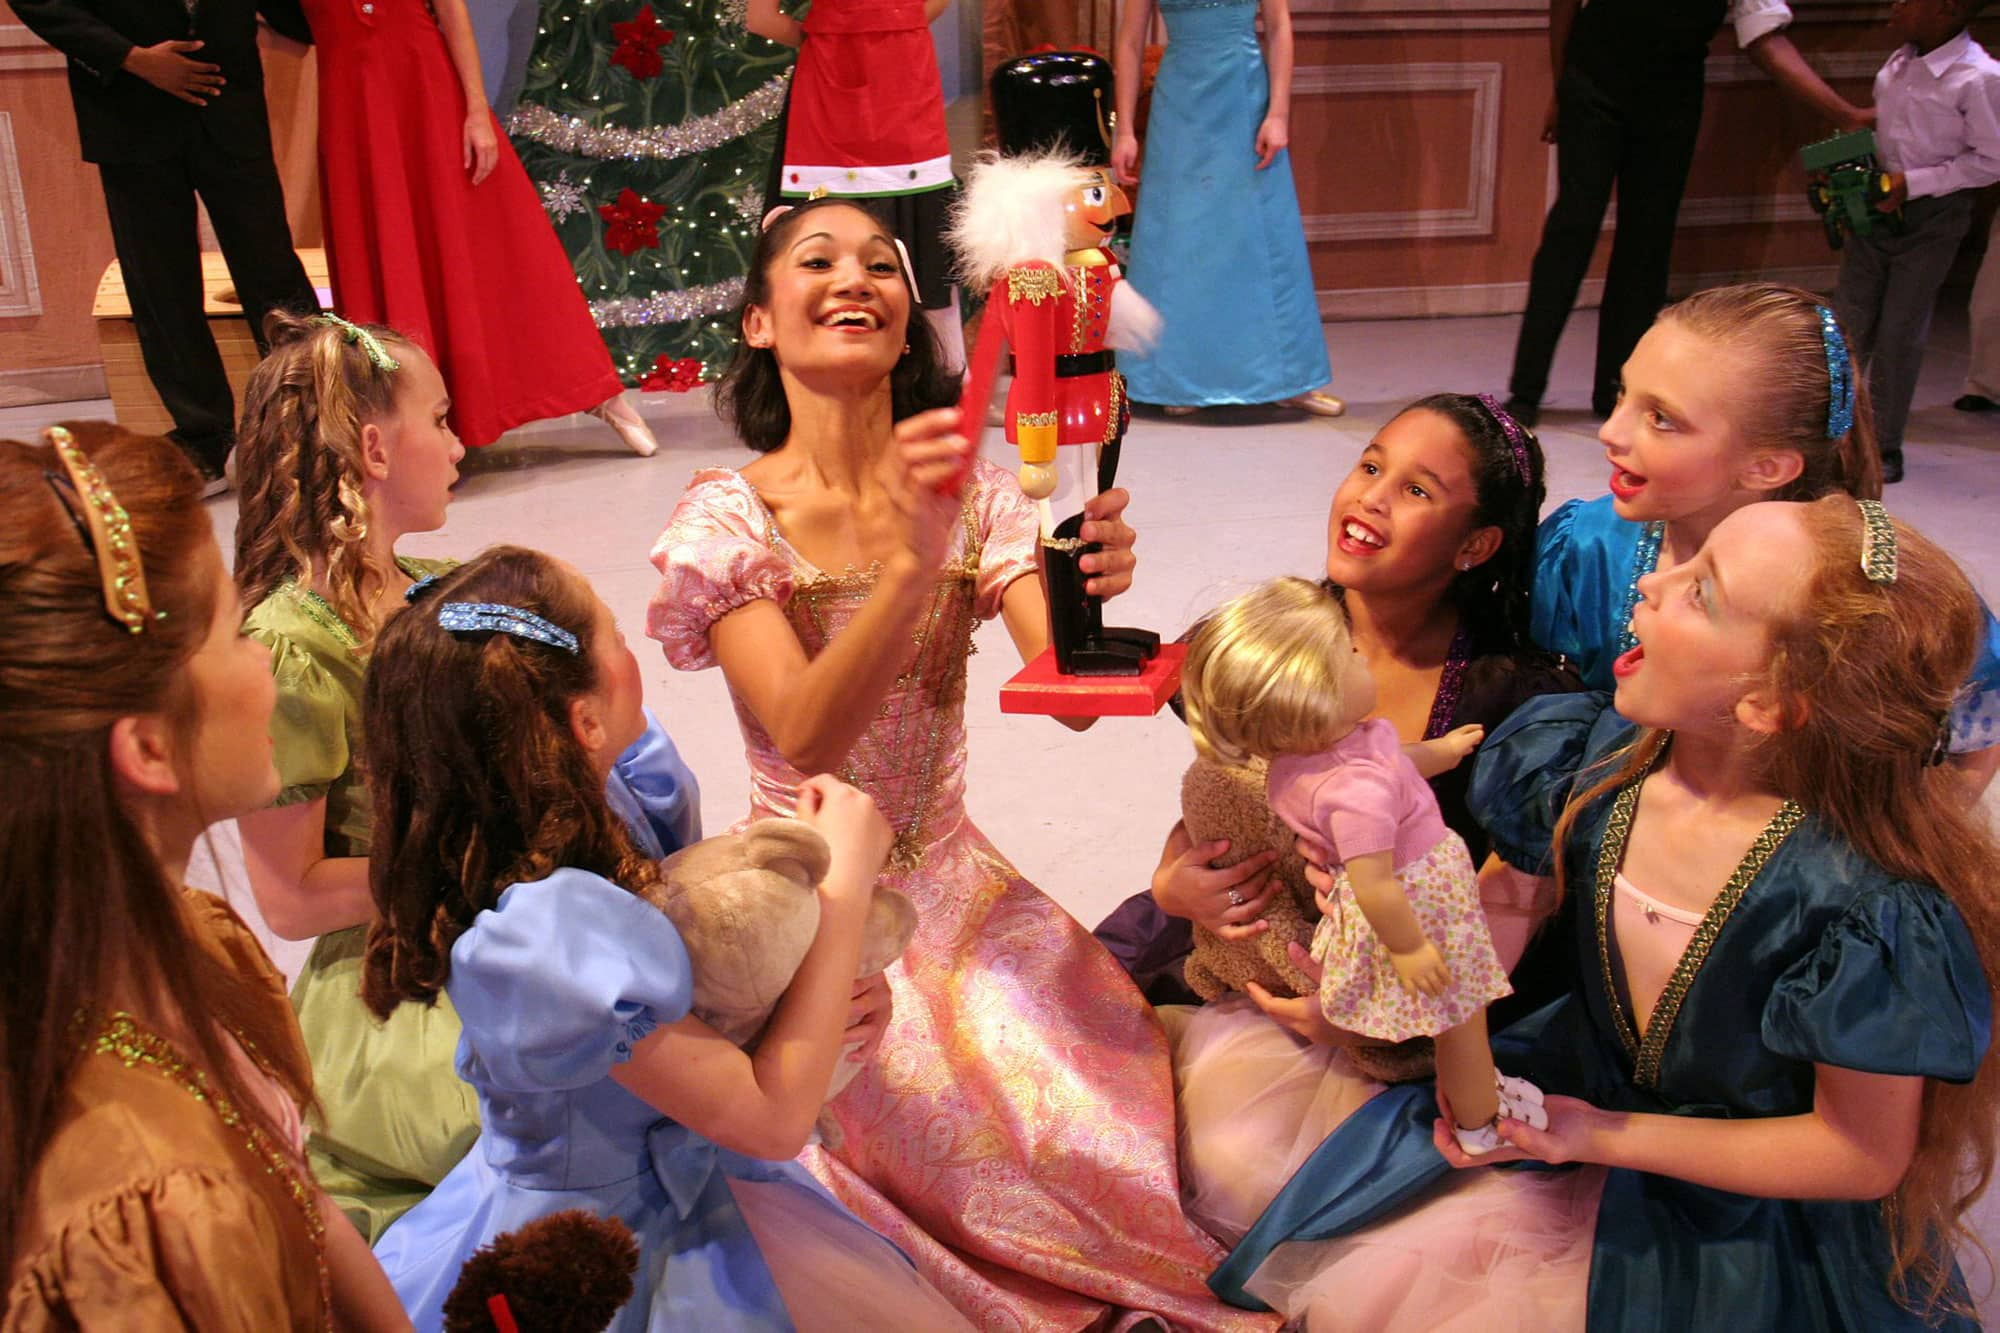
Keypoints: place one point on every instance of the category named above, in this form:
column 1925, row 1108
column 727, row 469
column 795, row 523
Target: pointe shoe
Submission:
column 631, row 427
column 1318, row 404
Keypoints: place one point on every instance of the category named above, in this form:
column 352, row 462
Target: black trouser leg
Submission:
column 1588, row 137
column 1656, row 156
column 246, row 204
column 151, row 206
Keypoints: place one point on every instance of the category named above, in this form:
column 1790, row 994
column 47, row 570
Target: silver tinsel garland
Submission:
column 632, row 312
column 569, row 134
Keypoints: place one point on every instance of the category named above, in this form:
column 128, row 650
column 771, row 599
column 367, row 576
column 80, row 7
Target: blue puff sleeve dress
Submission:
column 1588, row 563
column 554, row 986
column 1824, row 958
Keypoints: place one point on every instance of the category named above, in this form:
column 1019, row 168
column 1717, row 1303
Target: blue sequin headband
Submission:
column 499, row 618
column 1839, row 376
column 371, row 346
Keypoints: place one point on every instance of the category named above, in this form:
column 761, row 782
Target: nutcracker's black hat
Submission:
column 1055, row 98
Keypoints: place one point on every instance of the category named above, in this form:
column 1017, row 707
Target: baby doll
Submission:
column 1402, row 942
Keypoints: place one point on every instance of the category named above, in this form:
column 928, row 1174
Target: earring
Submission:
column 1464, row 566
column 906, row 349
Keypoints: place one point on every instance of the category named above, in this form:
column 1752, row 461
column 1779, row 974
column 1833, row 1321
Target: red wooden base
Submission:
column 1038, row 688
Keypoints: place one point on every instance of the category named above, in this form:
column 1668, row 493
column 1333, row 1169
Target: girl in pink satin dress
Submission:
column 1016, row 1132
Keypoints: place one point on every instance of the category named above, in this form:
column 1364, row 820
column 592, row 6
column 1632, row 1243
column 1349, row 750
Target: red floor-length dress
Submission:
column 473, row 273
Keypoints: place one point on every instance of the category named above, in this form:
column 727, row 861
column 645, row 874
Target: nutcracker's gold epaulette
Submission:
column 1033, row 282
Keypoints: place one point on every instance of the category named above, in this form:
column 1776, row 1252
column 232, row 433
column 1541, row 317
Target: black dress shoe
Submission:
column 1974, row 402
column 1527, row 413
column 1892, row 467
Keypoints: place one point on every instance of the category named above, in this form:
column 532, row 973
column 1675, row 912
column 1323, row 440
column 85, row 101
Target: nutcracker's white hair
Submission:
column 1011, row 212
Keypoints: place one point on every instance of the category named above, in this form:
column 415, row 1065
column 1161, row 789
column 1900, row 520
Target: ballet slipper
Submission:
column 1317, row 404
column 1519, row 1100
column 618, row 414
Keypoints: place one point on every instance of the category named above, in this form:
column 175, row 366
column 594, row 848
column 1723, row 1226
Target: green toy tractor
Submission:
column 1844, row 182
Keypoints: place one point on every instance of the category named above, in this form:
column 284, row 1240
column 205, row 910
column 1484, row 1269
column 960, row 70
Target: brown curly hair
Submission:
column 478, row 782
column 298, row 464
column 1866, row 673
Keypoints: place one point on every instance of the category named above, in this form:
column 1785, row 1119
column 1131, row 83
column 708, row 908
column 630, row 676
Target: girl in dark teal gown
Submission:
column 1823, row 1042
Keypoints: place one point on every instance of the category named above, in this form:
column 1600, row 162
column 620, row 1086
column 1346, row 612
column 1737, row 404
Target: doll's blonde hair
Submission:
column 1264, row 674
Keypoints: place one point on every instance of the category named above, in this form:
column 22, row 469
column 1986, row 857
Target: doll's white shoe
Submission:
column 1522, row 1092
column 1519, row 1100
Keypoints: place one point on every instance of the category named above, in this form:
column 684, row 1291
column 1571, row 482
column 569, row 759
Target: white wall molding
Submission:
column 1473, row 218
column 22, row 50
column 1337, row 304
column 20, row 288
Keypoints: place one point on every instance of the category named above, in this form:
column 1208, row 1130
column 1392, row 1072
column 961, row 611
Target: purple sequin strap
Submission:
column 1517, row 436
column 1451, row 685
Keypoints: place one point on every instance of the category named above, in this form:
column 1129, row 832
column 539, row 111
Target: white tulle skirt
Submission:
column 1483, row 1252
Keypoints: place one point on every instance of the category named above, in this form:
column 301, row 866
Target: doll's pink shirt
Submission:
column 1362, row 795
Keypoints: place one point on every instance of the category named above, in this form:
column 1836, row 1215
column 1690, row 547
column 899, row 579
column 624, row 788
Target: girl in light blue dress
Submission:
column 498, row 705
column 1217, row 245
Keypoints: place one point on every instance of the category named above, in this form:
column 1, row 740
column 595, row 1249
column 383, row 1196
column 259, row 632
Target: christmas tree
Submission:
column 649, row 126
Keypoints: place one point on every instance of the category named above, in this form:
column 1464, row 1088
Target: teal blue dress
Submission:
column 1588, row 563
column 1824, row 958
column 1217, row 245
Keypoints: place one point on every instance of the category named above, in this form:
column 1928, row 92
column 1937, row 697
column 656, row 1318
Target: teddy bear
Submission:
column 747, row 907
column 1221, row 801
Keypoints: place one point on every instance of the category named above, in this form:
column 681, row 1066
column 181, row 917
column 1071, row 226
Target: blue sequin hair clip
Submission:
column 1839, row 376
column 420, row 587
column 499, row 618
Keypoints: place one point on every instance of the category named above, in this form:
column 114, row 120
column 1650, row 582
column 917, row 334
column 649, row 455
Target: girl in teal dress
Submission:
column 1217, row 244
column 1725, row 402
column 1775, row 1060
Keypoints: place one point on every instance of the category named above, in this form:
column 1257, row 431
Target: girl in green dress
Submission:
column 344, row 449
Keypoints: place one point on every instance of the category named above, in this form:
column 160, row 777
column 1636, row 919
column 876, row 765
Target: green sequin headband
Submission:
column 1878, row 542
column 378, row 356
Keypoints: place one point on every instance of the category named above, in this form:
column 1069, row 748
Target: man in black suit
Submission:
column 169, row 98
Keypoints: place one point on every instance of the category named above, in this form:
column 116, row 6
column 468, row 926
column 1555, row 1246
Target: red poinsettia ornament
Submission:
column 639, row 42
column 632, row 223
column 673, row 376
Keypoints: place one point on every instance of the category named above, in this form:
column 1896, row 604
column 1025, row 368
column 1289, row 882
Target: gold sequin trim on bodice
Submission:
column 125, row 1039
column 916, row 716
column 1647, row 1050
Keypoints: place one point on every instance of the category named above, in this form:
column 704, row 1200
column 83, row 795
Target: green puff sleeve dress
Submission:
column 394, row 1115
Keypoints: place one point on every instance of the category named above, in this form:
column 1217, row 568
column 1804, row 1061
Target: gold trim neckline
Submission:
column 124, row 1038
column 1648, row 1050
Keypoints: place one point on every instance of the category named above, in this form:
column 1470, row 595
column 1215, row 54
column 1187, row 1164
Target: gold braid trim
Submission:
column 1033, row 285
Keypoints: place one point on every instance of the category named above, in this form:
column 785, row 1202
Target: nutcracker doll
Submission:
column 1031, row 234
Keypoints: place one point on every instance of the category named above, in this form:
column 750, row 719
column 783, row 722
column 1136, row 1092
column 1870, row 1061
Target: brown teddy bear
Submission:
column 747, row 907
column 1228, row 801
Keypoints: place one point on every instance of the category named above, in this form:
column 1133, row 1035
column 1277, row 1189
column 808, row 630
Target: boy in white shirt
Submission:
column 1937, row 102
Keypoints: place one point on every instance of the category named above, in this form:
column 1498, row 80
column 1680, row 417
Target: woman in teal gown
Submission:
column 1217, row 245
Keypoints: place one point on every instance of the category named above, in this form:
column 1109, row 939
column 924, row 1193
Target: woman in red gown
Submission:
column 433, row 227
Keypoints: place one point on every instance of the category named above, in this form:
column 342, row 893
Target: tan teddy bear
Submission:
column 747, row 907
column 1228, row 801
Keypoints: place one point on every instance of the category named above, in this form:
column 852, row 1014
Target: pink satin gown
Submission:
column 1015, row 1134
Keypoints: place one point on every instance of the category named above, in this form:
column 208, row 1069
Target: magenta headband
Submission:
column 1517, row 436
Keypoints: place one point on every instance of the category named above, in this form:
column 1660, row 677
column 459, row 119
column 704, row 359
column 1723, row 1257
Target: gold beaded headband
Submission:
column 107, row 529
column 1878, row 542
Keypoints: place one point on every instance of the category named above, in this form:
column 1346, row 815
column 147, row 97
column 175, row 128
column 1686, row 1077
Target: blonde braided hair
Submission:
column 298, row 465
